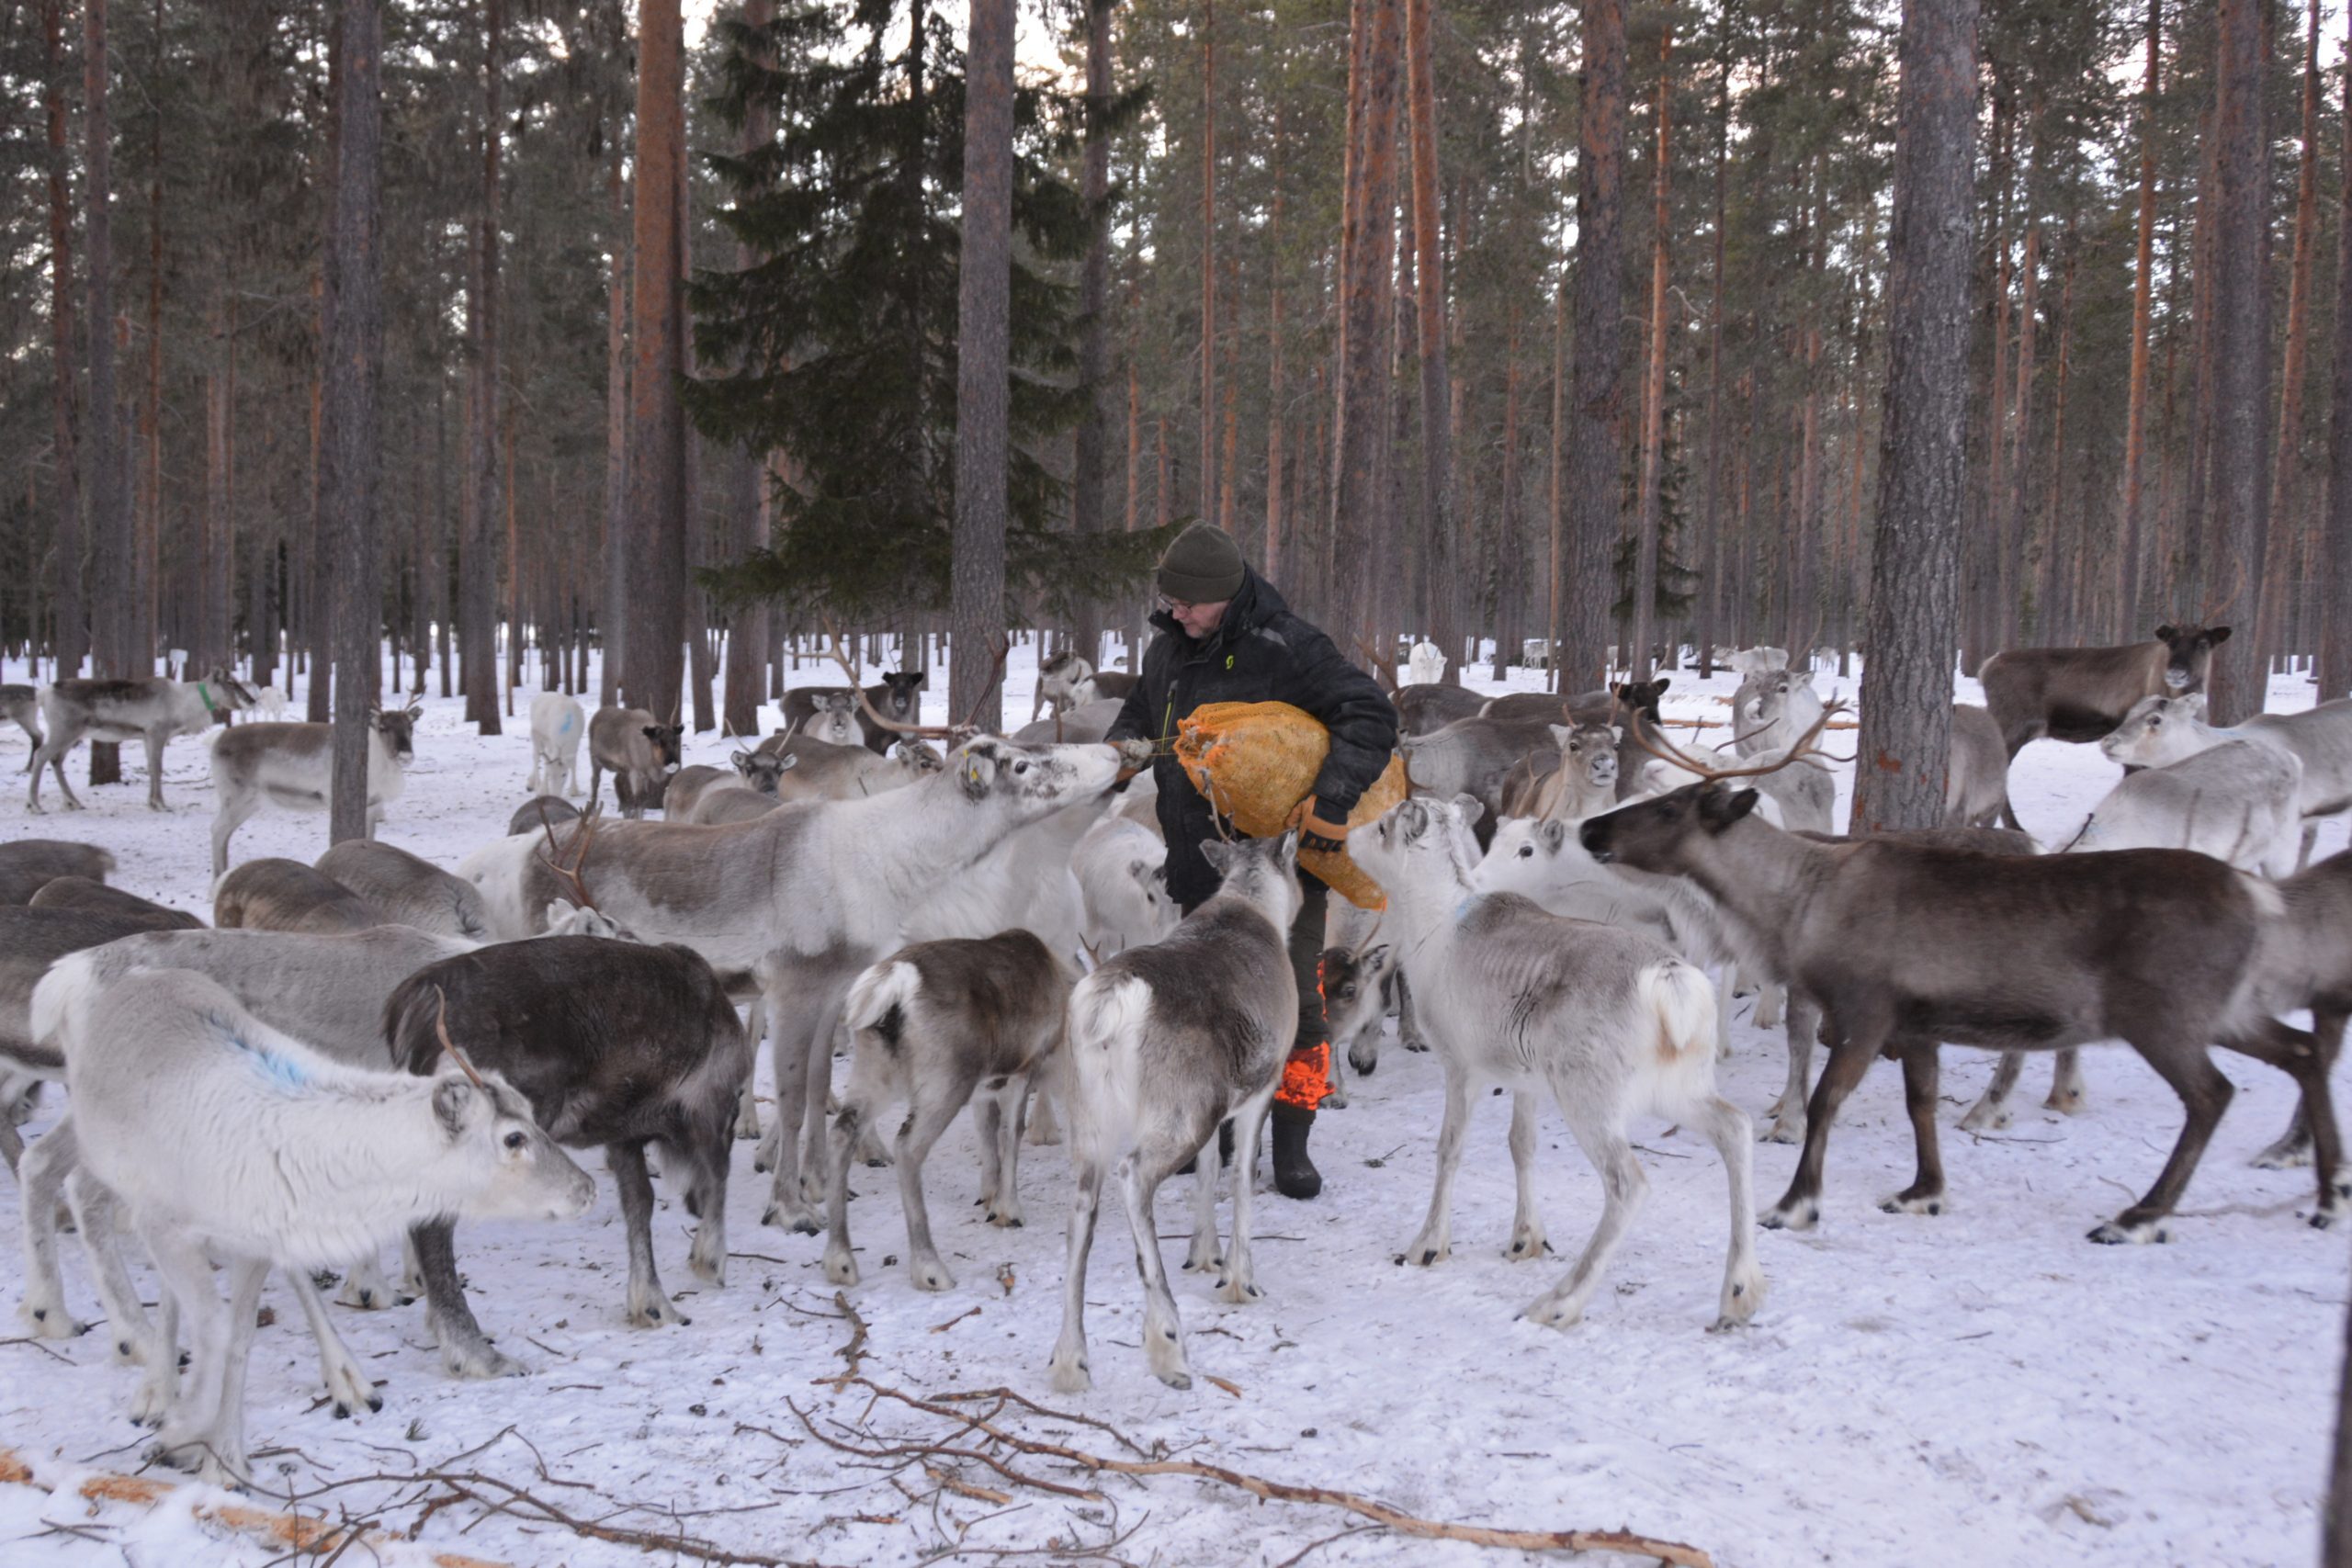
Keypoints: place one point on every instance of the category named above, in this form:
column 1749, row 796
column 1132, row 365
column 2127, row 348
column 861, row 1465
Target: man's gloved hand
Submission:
column 1318, row 831
column 1135, row 756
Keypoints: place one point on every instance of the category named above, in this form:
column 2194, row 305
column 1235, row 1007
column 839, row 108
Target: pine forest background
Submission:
column 1201, row 372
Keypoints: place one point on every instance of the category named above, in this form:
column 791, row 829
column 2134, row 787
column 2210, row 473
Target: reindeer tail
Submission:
column 1107, row 1022
column 58, row 1001
column 1677, row 1001
column 884, row 988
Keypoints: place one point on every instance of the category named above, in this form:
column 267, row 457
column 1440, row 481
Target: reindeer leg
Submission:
column 797, row 1038
column 1992, row 1112
column 1238, row 1283
column 1436, row 1237
column 930, row 1109
column 1526, row 1228
column 1163, row 1330
column 364, row 1285
column 841, row 1261
column 1925, row 1195
column 1727, row 1127
column 2294, row 1145
column 1788, row 1113
column 41, row 1182
column 1856, row 1047
column 347, row 1384
column 96, row 1213
column 1624, row 1185
column 156, row 775
column 747, row 1105
column 1071, row 1373
column 2307, row 1058
column 466, row 1351
column 2205, row 1092
column 2066, row 1083
column 648, row 1303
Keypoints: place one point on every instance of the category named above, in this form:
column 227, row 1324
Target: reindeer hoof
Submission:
column 1181, row 1381
column 2140, row 1233
column 2287, row 1154
column 1069, row 1374
column 1986, row 1116
column 1527, row 1245
column 1902, row 1203
column 931, row 1275
column 1790, row 1216
column 1785, row 1131
column 1545, row 1313
column 53, row 1323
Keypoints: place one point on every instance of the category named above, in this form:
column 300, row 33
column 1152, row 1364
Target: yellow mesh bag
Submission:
column 1255, row 761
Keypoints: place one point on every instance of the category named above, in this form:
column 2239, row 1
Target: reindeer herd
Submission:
column 368, row 1049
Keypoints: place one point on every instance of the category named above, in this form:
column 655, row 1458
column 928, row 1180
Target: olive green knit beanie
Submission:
column 1203, row 567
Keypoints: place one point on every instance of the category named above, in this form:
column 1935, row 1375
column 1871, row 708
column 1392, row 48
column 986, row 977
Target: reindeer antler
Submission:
column 950, row 732
column 1385, row 668
column 573, row 873
column 441, row 1028
column 1673, row 754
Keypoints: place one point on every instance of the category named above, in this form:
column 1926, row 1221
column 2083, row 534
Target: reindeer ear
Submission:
column 1559, row 735
column 2195, row 703
column 1658, row 686
column 975, row 775
column 1287, row 848
column 788, row 761
column 1720, row 809
column 560, row 911
column 652, row 731
column 1617, row 734
column 2218, row 635
column 1554, row 833
column 458, row 1105
column 1471, row 807
column 741, row 758
column 2166, row 633
column 1218, row 853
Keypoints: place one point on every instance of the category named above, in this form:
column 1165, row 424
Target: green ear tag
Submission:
column 1228, row 662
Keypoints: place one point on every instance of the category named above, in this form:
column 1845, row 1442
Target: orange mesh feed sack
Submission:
column 1255, row 761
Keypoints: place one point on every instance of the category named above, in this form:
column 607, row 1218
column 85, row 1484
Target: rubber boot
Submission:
column 1294, row 1174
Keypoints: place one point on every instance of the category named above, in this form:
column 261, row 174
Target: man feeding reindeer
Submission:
column 1225, row 636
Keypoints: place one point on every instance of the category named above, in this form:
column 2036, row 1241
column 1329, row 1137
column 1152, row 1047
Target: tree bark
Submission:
column 2335, row 597
column 2135, row 424
column 354, row 353
column 1907, row 696
column 1589, row 578
column 1087, row 499
column 1368, row 261
column 1276, row 412
column 109, row 579
column 747, row 637
column 1207, row 510
column 983, row 372
column 1637, row 659
column 71, row 635
column 477, row 582
column 2279, row 539
column 1443, row 626
column 614, row 620
column 657, row 524
column 1711, row 594
column 2239, row 356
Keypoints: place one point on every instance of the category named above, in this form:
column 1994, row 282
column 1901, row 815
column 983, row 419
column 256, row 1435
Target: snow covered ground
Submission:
column 1982, row 1387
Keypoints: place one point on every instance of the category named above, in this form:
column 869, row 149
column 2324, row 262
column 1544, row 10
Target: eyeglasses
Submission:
column 1176, row 606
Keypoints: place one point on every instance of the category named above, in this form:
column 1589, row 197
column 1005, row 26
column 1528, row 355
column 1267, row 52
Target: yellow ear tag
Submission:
column 1228, row 662
column 971, row 770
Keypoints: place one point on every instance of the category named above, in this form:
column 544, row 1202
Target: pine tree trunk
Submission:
column 657, row 524
column 2239, row 355
column 1088, row 484
column 1207, row 509
column 1589, row 578
column 1443, row 626
column 110, row 584
column 1360, row 420
column 1637, row 658
column 151, row 427
column 983, row 372
column 71, row 635
column 614, row 620
column 2335, row 571
column 1711, row 594
column 2278, row 544
column 1557, row 498
column 1906, row 698
column 2055, row 615
column 2126, row 623
column 355, row 352
column 700, row 657
column 747, row 637
column 477, row 582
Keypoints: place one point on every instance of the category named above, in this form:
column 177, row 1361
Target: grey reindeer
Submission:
column 1607, row 1019
column 1165, row 1043
column 935, row 1023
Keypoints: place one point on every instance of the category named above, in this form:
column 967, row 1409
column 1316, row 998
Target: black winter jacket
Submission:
column 1259, row 653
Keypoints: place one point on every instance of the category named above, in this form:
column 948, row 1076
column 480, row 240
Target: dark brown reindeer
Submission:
column 1905, row 945
column 2080, row 695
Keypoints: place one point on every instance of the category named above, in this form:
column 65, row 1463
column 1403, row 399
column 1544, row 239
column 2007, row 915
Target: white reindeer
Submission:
column 2235, row 801
column 1610, row 1020
column 219, row 1136
column 1122, row 872
column 1425, row 663
column 559, row 725
column 1165, row 1043
column 292, row 765
column 2159, row 731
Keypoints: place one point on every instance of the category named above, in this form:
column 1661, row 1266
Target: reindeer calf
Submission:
column 640, row 754
column 1165, row 1043
column 934, row 1023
